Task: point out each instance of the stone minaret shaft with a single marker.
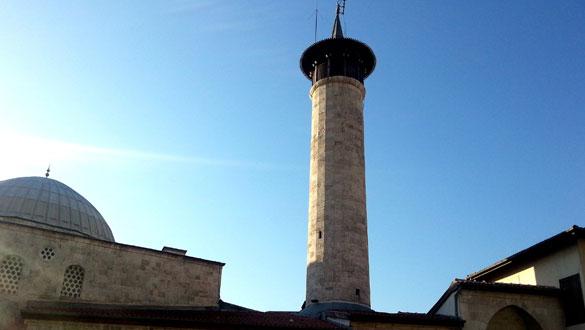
(338, 267)
(338, 239)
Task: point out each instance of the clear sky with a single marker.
(187, 124)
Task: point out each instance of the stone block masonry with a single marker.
(112, 273)
(337, 269)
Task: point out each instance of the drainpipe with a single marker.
(456, 297)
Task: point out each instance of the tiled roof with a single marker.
(169, 316)
(398, 318)
(507, 287)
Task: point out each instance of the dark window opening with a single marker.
(572, 299)
(357, 292)
(320, 234)
(10, 271)
(73, 281)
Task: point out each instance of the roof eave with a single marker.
(546, 247)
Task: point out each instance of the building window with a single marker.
(73, 281)
(572, 299)
(47, 253)
(10, 271)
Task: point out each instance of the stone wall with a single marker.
(337, 237)
(477, 308)
(513, 318)
(395, 326)
(111, 273)
(67, 325)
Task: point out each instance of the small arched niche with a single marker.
(513, 318)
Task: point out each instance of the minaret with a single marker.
(337, 254)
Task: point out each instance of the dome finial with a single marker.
(48, 170)
(337, 31)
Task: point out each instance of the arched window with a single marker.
(513, 318)
(73, 281)
(10, 270)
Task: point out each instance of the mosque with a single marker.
(61, 268)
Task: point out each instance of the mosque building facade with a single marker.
(61, 268)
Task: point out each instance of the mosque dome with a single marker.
(49, 204)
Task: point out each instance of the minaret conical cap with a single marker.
(338, 56)
(337, 31)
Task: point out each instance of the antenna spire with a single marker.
(48, 170)
(316, 17)
(337, 31)
(340, 7)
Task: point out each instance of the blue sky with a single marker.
(187, 124)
